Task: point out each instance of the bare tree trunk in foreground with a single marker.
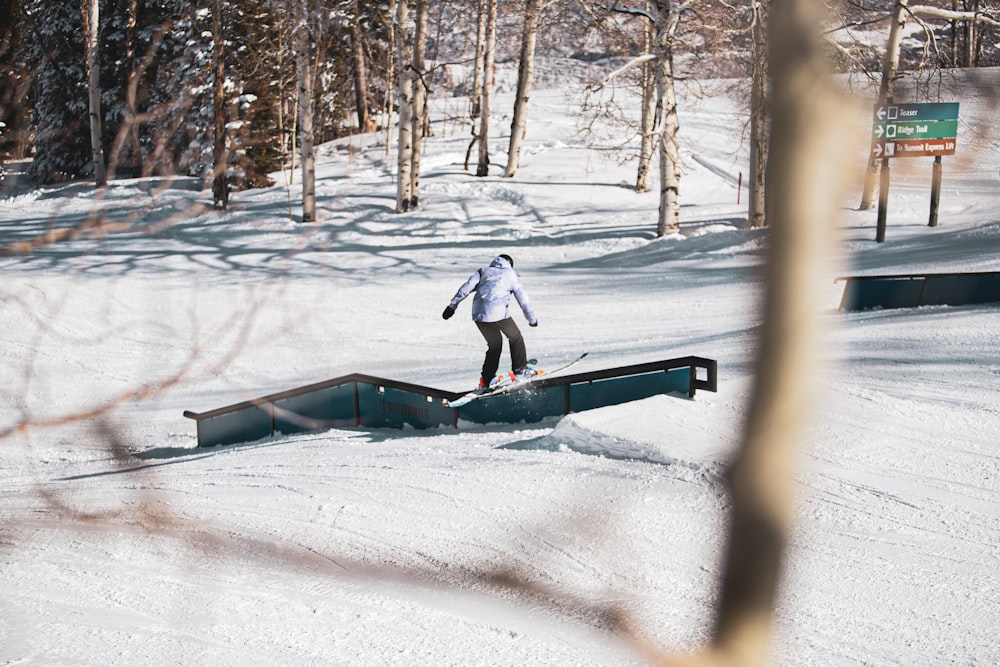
(804, 173)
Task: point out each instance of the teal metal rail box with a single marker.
(366, 401)
(928, 289)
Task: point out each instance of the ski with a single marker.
(509, 385)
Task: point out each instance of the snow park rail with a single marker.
(359, 400)
(928, 289)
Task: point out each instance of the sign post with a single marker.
(883, 201)
(912, 130)
(935, 192)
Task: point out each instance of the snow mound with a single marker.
(591, 434)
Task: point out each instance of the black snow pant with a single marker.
(494, 332)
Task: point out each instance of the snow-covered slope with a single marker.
(124, 544)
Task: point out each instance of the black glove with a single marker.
(533, 324)
(448, 312)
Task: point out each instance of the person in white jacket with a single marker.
(493, 286)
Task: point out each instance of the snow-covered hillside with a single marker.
(122, 543)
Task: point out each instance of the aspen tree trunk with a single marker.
(405, 148)
(132, 86)
(289, 131)
(647, 122)
(285, 108)
(890, 69)
(220, 156)
(953, 31)
(525, 71)
(970, 38)
(303, 42)
(92, 26)
(286, 140)
(390, 76)
(419, 99)
(365, 122)
(291, 6)
(670, 173)
(476, 96)
(489, 60)
(756, 215)
(806, 172)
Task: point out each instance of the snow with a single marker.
(124, 543)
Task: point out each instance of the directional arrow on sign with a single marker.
(879, 131)
(878, 150)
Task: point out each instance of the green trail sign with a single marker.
(914, 130)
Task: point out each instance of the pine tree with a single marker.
(54, 43)
(254, 62)
(13, 89)
(175, 89)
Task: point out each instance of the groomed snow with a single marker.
(122, 543)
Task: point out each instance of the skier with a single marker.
(493, 286)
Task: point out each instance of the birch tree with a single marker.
(478, 66)
(759, 120)
(518, 126)
(391, 76)
(971, 43)
(664, 21)
(404, 183)
(890, 69)
(489, 68)
(303, 43)
(476, 96)
(647, 120)
(359, 69)
(220, 156)
(419, 111)
(662, 123)
(92, 29)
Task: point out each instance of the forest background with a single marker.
(197, 88)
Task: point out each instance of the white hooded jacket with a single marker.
(493, 286)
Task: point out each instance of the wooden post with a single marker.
(883, 201)
(935, 192)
